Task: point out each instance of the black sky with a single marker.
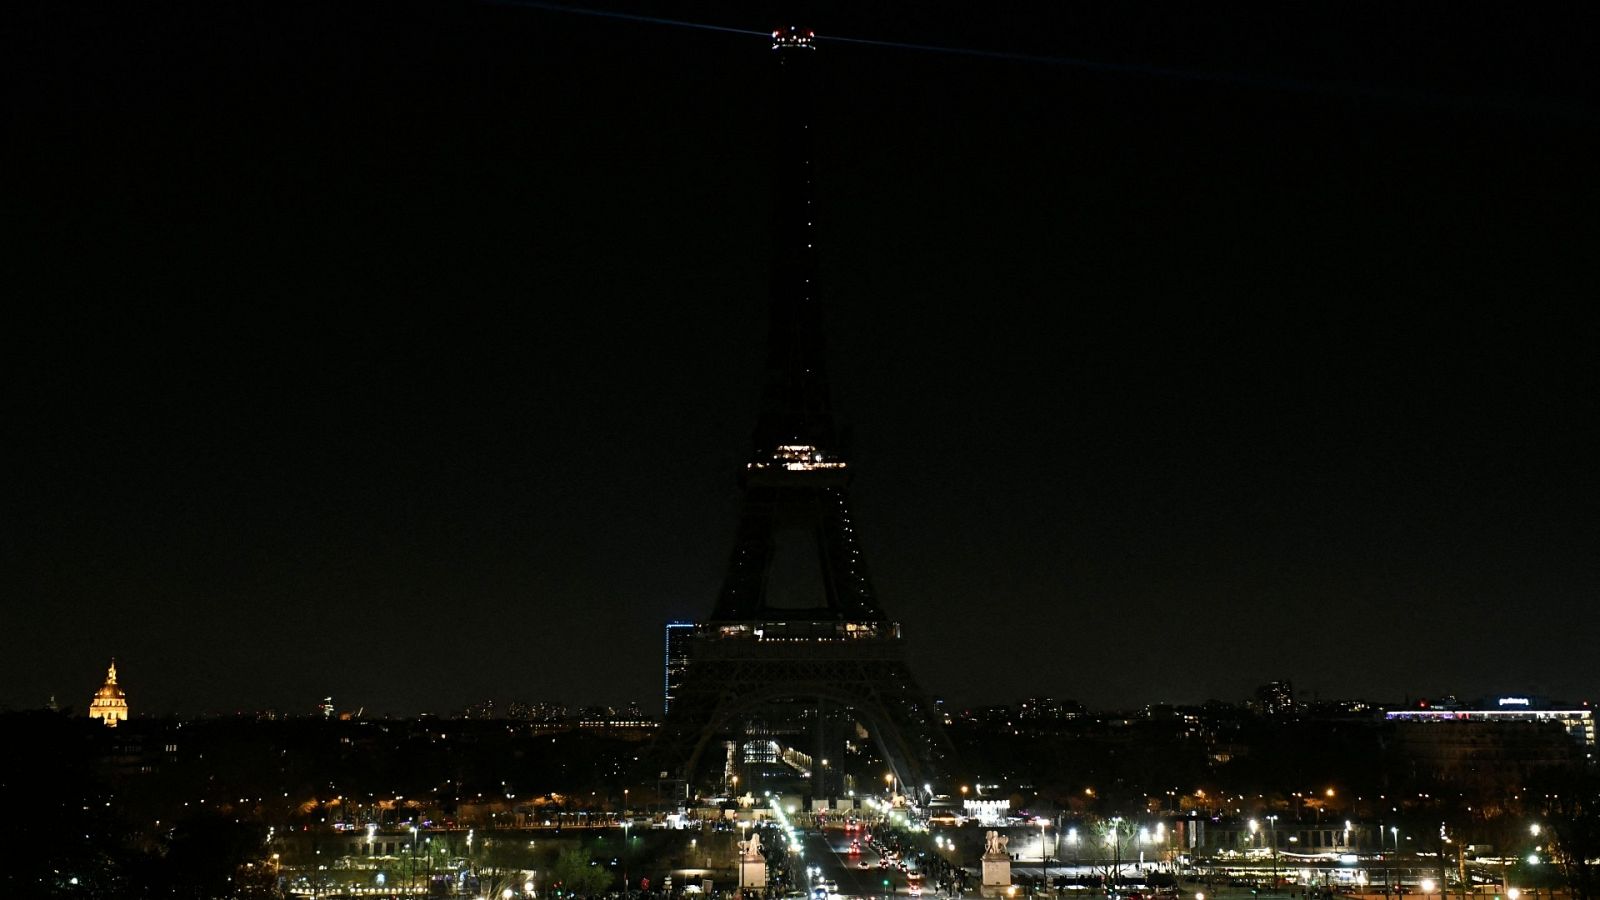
(407, 352)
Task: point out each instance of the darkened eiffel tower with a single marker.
(797, 654)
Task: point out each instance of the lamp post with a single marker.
(1044, 859)
(1272, 833)
(1444, 864)
(1164, 840)
(411, 882)
(1255, 828)
(625, 824)
(745, 833)
(1388, 861)
(1116, 856)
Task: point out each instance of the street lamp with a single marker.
(743, 854)
(1272, 831)
(411, 882)
(1388, 861)
(1255, 828)
(1044, 858)
(1116, 858)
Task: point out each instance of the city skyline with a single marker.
(417, 366)
(1284, 702)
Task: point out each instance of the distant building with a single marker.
(1049, 709)
(110, 704)
(544, 711)
(1577, 722)
(1497, 745)
(679, 634)
(1275, 698)
(614, 723)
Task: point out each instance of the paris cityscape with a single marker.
(525, 450)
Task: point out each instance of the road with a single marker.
(829, 851)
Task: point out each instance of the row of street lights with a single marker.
(1116, 830)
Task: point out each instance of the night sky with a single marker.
(408, 352)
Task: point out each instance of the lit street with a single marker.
(828, 861)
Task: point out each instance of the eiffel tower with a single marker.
(798, 661)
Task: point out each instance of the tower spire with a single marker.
(795, 481)
(795, 410)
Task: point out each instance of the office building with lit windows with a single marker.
(679, 634)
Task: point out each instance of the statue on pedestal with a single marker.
(996, 866)
(752, 868)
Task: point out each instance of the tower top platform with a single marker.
(791, 37)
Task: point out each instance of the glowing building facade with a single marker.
(110, 704)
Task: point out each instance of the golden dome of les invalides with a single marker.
(110, 704)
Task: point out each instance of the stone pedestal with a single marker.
(752, 875)
(996, 876)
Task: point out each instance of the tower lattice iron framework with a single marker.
(815, 669)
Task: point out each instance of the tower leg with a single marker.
(820, 788)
